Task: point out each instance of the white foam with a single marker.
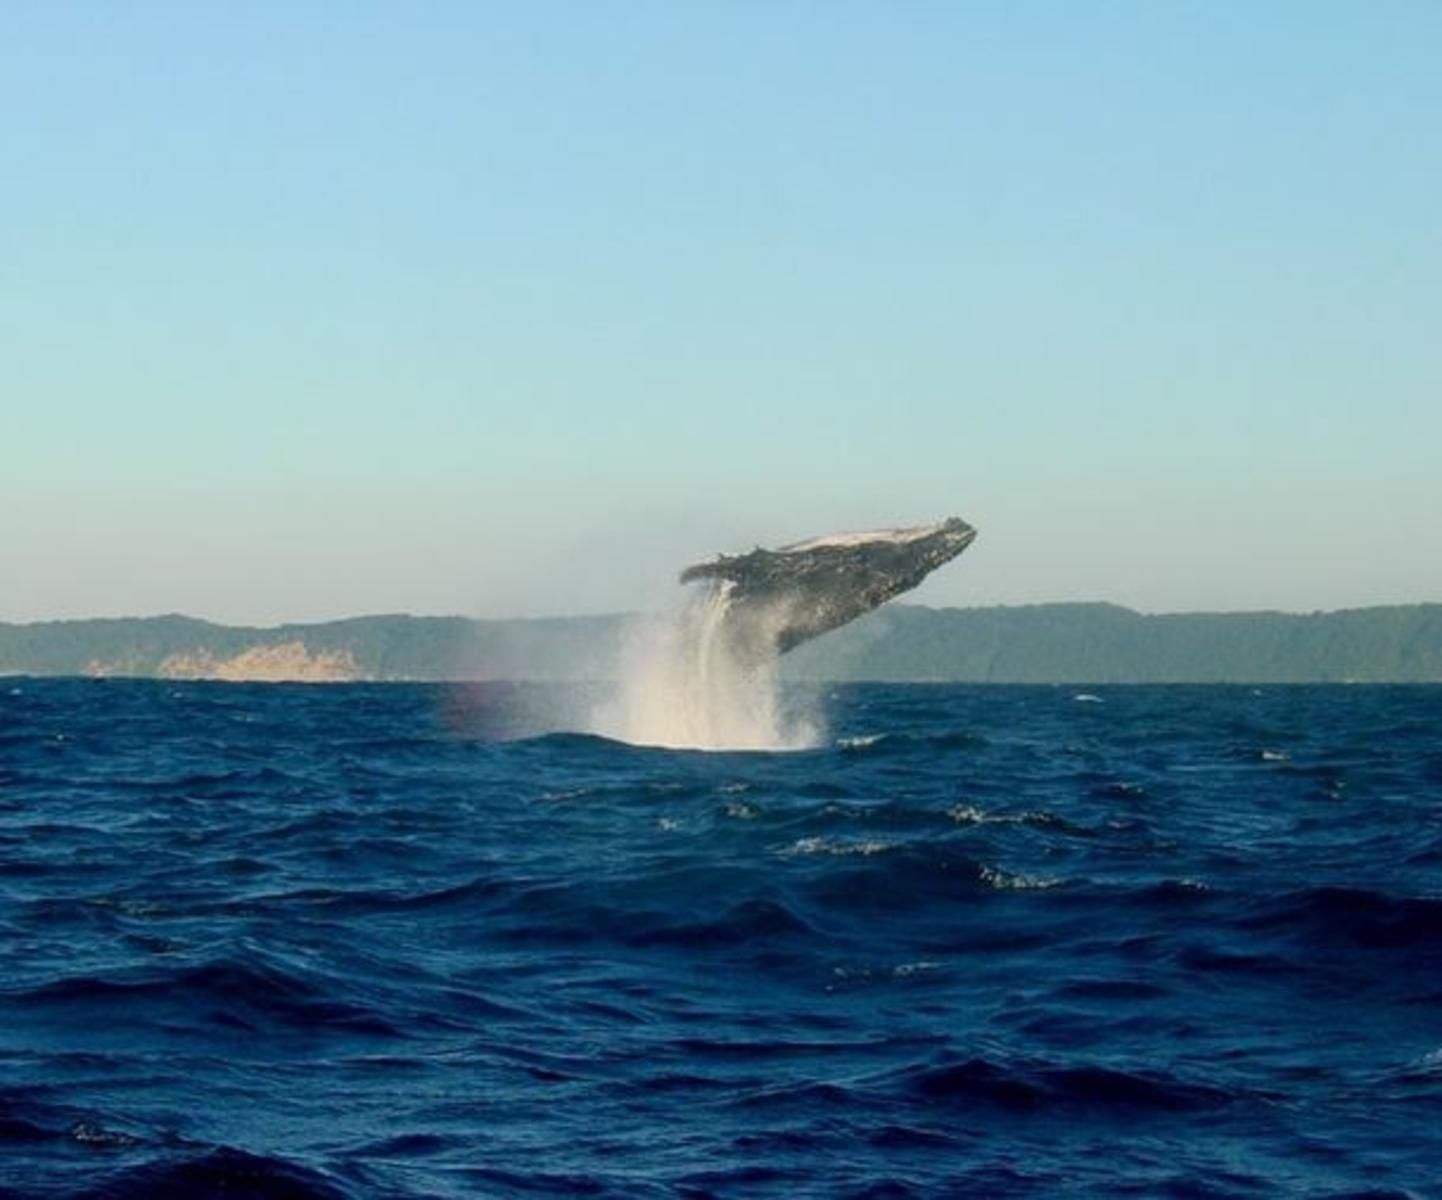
(865, 847)
(1006, 881)
(684, 686)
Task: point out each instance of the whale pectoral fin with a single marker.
(706, 570)
(733, 567)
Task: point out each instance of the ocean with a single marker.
(391, 941)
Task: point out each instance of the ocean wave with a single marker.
(971, 814)
(1031, 1087)
(481, 891)
(222, 1172)
(748, 922)
(1362, 918)
(906, 876)
(890, 743)
(220, 992)
(274, 941)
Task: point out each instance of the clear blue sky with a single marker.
(312, 309)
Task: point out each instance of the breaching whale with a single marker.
(776, 599)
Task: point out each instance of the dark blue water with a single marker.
(338, 941)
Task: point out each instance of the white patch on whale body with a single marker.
(898, 537)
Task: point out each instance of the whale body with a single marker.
(776, 599)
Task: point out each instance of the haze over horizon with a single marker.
(500, 311)
(908, 600)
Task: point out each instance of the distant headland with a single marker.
(1042, 643)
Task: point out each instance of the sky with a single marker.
(310, 310)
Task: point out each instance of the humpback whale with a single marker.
(773, 600)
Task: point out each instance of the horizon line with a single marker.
(634, 613)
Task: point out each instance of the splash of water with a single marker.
(685, 683)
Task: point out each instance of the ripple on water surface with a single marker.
(391, 941)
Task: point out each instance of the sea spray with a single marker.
(686, 683)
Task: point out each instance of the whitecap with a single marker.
(824, 845)
(1005, 881)
(906, 970)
